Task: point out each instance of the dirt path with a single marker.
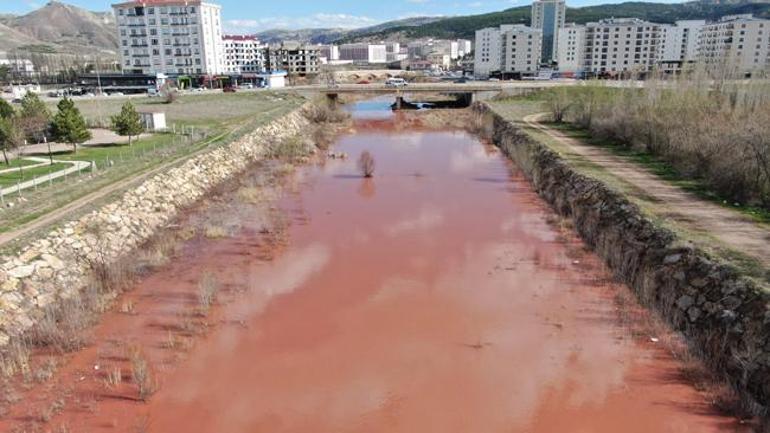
(734, 230)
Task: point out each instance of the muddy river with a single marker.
(441, 295)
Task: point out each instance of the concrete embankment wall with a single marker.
(723, 316)
(59, 265)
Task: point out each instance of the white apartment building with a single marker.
(364, 53)
(170, 36)
(548, 16)
(243, 54)
(394, 52)
(738, 43)
(488, 49)
(622, 45)
(465, 47)
(679, 44)
(570, 48)
(328, 53)
(680, 41)
(18, 66)
(507, 50)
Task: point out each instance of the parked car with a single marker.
(228, 89)
(153, 92)
(395, 82)
(247, 86)
(364, 82)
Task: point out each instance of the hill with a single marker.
(60, 28)
(465, 26)
(325, 36)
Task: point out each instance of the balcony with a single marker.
(138, 45)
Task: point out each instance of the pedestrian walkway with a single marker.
(75, 167)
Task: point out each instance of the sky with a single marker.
(243, 16)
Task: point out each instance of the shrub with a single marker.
(169, 94)
(207, 291)
(366, 164)
(141, 374)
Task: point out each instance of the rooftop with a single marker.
(145, 3)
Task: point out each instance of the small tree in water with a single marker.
(366, 164)
(69, 125)
(128, 122)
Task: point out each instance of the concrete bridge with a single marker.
(470, 92)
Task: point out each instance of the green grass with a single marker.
(116, 152)
(12, 178)
(221, 117)
(16, 163)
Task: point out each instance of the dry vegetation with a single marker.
(325, 118)
(714, 131)
(366, 164)
(142, 374)
(207, 291)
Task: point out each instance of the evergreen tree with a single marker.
(127, 122)
(34, 116)
(69, 125)
(10, 136)
(6, 109)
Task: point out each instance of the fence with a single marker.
(183, 139)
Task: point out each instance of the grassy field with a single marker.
(16, 163)
(11, 178)
(217, 118)
(202, 110)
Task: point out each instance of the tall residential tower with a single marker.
(548, 17)
(174, 37)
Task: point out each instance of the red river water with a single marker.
(437, 296)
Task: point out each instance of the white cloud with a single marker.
(428, 218)
(319, 20)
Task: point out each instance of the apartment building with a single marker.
(737, 43)
(328, 53)
(488, 49)
(173, 37)
(243, 54)
(509, 50)
(570, 48)
(294, 58)
(18, 67)
(363, 53)
(548, 16)
(465, 47)
(624, 45)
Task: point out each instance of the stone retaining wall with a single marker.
(724, 316)
(59, 265)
